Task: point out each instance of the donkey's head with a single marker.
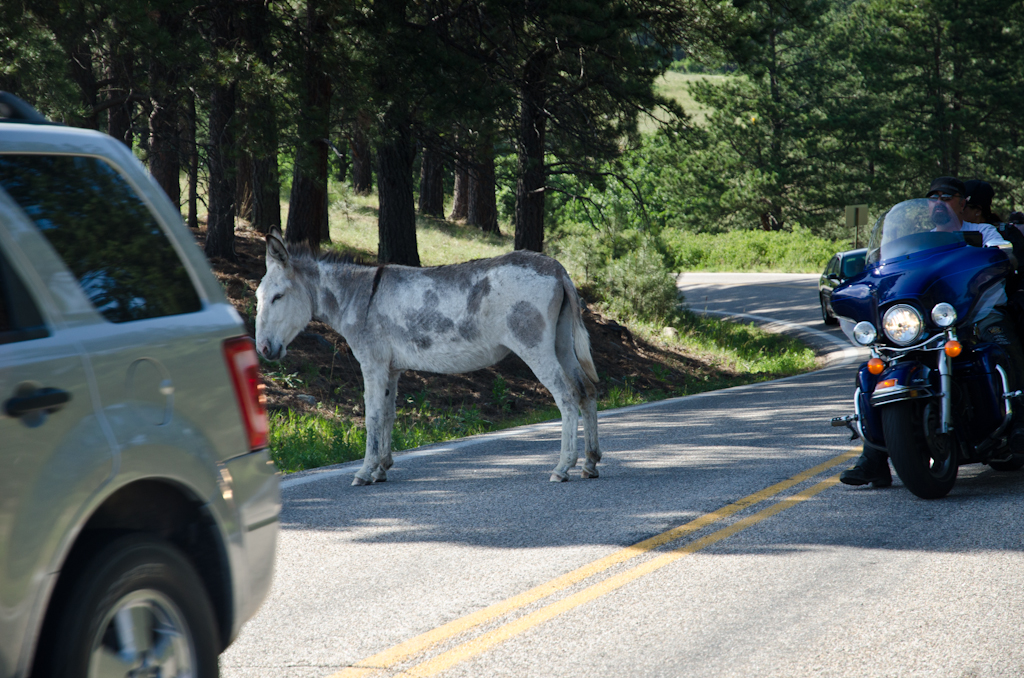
(283, 305)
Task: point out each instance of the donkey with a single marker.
(447, 319)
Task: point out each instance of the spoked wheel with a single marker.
(826, 317)
(929, 471)
(138, 609)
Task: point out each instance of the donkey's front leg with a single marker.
(376, 384)
(390, 394)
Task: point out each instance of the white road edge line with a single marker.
(849, 354)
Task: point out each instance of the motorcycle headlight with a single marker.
(902, 324)
(864, 333)
(943, 314)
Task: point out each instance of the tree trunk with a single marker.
(307, 214)
(431, 183)
(164, 144)
(362, 160)
(220, 225)
(80, 64)
(243, 186)
(396, 221)
(266, 194)
(193, 161)
(119, 116)
(266, 185)
(307, 209)
(483, 202)
(460, 196)
(531, 182)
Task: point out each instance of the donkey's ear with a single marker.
(276, 249)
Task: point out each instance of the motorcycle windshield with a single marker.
(915, 226)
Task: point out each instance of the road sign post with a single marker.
(856, 216)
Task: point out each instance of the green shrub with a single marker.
(622, 269)
(639, 285)
(796, 251)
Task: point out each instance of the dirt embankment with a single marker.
(321, 374)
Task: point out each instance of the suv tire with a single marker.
(138, 603)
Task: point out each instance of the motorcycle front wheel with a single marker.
(928, 473)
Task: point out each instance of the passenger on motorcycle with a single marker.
(951, 197)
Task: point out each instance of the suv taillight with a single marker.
(243, 365)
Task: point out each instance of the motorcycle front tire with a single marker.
(925, 474)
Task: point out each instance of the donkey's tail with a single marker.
(580, 336)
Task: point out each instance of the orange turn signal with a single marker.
(875, 366)
(953, 348)
(888, 383)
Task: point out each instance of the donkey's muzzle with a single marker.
(271, 352)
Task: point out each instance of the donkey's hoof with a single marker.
(359, 481)
(558, 478)
(382, 479)
(585, 473)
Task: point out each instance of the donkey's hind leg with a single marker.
(584, 388)
(550, 373)
(590, 446)
(390, 395)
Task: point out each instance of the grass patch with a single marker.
(676, 86)
(353, 220)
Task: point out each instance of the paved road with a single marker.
(716, 543)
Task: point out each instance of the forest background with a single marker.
(546, 118)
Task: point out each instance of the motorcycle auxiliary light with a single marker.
(864, 333)
(875, 366)
(953, 348)
(902, 324)
(943, 314)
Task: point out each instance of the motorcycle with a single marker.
(934, 394)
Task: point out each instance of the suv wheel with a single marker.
(138, 608)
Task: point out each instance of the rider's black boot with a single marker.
(872, 466)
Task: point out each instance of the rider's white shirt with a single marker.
(988, 232)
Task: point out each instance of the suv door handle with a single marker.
(48, 399)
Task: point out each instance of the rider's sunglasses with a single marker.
(944, 197)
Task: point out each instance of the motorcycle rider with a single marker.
(951, 197)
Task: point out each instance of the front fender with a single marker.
(905, 380)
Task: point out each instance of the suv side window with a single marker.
(19, 317)
(104, 232)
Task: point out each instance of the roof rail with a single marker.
(13, 109)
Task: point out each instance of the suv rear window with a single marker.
(105, 234)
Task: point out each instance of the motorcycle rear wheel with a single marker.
(924, 472)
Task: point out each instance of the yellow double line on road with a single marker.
(402, 652)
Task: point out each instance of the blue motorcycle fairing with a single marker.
(957, 274)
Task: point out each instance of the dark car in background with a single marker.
(139, 506)
(841, 267)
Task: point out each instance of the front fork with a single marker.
(946, 396)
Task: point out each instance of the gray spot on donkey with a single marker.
(445, 319)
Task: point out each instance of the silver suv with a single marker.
(138, 502)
